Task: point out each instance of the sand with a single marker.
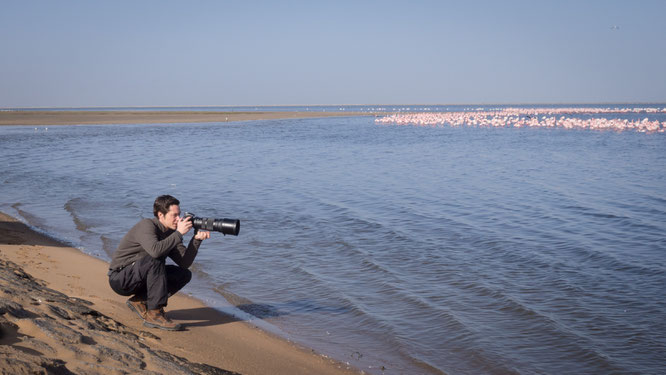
(151, 117)
(210, 337)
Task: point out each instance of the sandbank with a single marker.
(105, 335)
(93, 117)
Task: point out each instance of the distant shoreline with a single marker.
(151, 117)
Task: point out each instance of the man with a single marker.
(138, 267)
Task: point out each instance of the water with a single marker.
(398, 249)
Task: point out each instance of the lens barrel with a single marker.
(225, 226)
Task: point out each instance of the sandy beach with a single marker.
(66, 318)
(150, 117)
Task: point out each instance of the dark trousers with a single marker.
(151, 280)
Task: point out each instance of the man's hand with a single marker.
(202, 235)
(184, 225)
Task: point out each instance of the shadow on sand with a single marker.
(208, 316)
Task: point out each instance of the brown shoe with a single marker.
(138, 306)
(157, 319)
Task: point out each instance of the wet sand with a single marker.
(151, 117)
(67, 316)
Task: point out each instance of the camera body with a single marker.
(224, 226)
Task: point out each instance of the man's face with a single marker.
(170, 220)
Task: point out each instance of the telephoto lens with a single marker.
(224, 226)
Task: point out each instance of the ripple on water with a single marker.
(419, 250)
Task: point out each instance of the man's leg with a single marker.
(131, 280)
(156, 282)
(162, 282)
(177, 278)
(149, 280)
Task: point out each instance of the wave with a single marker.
(73, 206)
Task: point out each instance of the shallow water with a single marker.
(398, 249)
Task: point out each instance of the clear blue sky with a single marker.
(143, 53)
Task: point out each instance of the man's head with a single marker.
(167, 210)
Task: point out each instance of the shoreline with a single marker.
(109, 117)
(210, 337)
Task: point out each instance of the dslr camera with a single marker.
(224, 226)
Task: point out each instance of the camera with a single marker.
(225, 226)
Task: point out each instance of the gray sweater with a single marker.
(150, 237)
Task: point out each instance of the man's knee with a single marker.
(177, 278)
(117, 286)
(182, 274)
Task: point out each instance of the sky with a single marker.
(216, 53)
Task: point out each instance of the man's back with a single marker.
(147, 237)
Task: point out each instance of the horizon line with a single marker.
(331, 105)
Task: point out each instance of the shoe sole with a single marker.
(152, 325)
(138, 313)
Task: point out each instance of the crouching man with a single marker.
(138, 267)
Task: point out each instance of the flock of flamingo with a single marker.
(535, 117)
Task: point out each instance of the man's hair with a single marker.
(162, 204)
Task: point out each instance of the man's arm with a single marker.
(184, 257)
(146, 236)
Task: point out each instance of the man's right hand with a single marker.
(184, 225)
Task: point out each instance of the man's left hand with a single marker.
(202, 235)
